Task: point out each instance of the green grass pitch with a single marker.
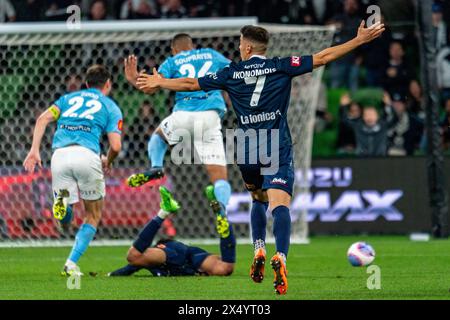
(409, 270)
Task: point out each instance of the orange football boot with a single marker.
(257, 269)
(280, 274)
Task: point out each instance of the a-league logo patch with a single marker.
(295, 61)
(120, 125)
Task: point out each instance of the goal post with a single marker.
(39, 62)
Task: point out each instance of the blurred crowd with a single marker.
(394, 126)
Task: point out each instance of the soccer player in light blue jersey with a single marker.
(193, 111)
(81, 119)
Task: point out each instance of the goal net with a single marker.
(39, 63)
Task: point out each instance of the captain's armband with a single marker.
(54, 110)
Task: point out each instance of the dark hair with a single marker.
(97, 75)
(181, 37)
(256, 34)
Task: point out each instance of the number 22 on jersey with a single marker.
(77, 103)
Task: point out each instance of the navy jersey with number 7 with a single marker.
(260, 90)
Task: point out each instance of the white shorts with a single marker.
(77, 168)
(203, 127)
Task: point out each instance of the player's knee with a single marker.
(133, 256)
(260, 195)
(224, 269)
(228, 269)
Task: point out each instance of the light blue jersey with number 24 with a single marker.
(196, 63)
(84, 117)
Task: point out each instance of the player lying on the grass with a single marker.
(193, 111)
(173, 258)
(82, 118)
(259, 89)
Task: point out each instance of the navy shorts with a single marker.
(283, 179)
(179, 254)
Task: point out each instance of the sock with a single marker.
(282, 229)
(163, 214)
(222, 191)
(157, 148)
(147, 234)
(84, 236)
(69, 215)
(228, 247)
(128, 270)
(258, 220)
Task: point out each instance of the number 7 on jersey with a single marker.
(260, 82)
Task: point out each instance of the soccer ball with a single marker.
(360, 254)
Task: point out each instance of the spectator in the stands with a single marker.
(29, 10)
(371, 132)
(138, 9)
(443, 70)
(445, 126)
(404, 137)
(200, 8)
(348, 111)
(7, 11)
(317, 11)
(172, 9)
(396, 76)
(345, 71)
(99, 11)
(73, 82)
(440, 26)
(415, 100)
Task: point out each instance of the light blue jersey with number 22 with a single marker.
(84, 117)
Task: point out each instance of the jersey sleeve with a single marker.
(214, 81)
(115, 119)
(297, 65)
(165, 69)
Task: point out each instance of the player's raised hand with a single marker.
(369, 34)
(131, 70)
(33, 158)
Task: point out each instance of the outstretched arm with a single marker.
(364, 35)
(132, 73)
(34, 158)
(155, 81)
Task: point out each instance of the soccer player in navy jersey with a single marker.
(259, 89)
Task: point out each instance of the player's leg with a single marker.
(258, 222)
(213, 265)
(140, 253)
(279, 190)
(85, 234)
(151, 257)
(251, 174)
(65, 190)
(166, 134)
(157, 148)
(210, 149)
(86, 169)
